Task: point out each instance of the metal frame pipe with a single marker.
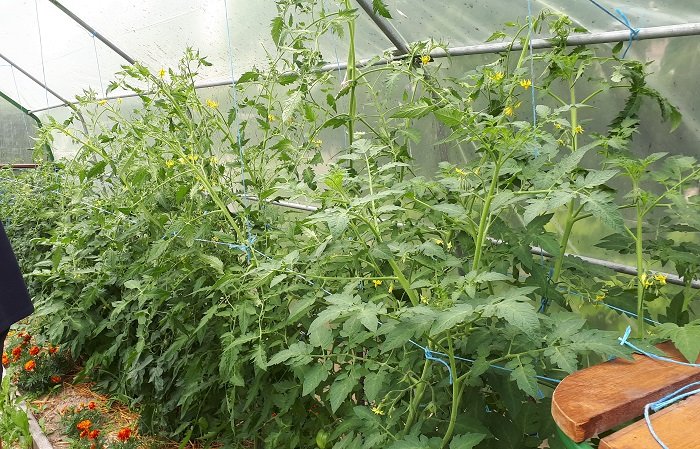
(385, 27)
(688, 29)
(93, 31)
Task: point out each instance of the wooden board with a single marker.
(675, 426)
(603, 396)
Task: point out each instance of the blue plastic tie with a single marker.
(634, 32)
(429, 356)
(664, 402)
(625, 342)
(434, 355)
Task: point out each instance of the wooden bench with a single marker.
(605, 396)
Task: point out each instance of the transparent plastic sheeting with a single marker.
(467, 22)
(41, 39)
(154, 32)
(16, 132)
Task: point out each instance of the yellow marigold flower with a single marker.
(498, 76)
(377, 282)
(425, 59)
(212, 104)
(170, 163)
(509, 111)
(377, 410)
(600, 296)
(526, 84)
(161, 73)
(660, 278)
(578, 129)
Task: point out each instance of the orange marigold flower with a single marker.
(124, 434)
(84, 425)
(27, 337)
(55, 379)
(30, 366)
(16, 352)
(91, 405)
(5, 359)
(94, 434)
(53, 349)
(34, 350)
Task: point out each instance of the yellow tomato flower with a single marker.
(498, 76)
(161, 73)
(557, 125)
(449, 245)
(193, 157)
(425, 59)
(660, 278)
(438, 241)
(271, 118)
(391, 287)
(213, 160)
(646, 280)
(509, 111)
(181, 160)
(377, 282)
(424, 298)
(460, 172)
(578, 129)
(526, 84)
(170, 163)
(102, 102)
(317, 142)
(600, 296)
(212, 104)
(377, 410)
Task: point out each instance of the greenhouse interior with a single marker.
(350, 224)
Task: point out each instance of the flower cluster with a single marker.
(35, 367)
(87, 428)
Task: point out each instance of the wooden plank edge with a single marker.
(39, 439)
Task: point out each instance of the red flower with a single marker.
(30, 365)
(26, 338)
(91, 405)
(55, 379)
(5, 359)
(124, 434)
(84, 425)
(94, 434)
(34, 350)
(16, 353)
(53, 349)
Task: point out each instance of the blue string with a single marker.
(632, 314)
(634, 32)
(532, 75)
(439, 357)
(624, 342)
(664, 402)
(237, 125)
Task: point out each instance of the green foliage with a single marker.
(14, 424)
(227, 318)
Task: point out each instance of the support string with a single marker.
(622, 18)
(667, 400)
(41, 49)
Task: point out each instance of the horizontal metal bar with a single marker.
(618, 267)
(688, 29)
